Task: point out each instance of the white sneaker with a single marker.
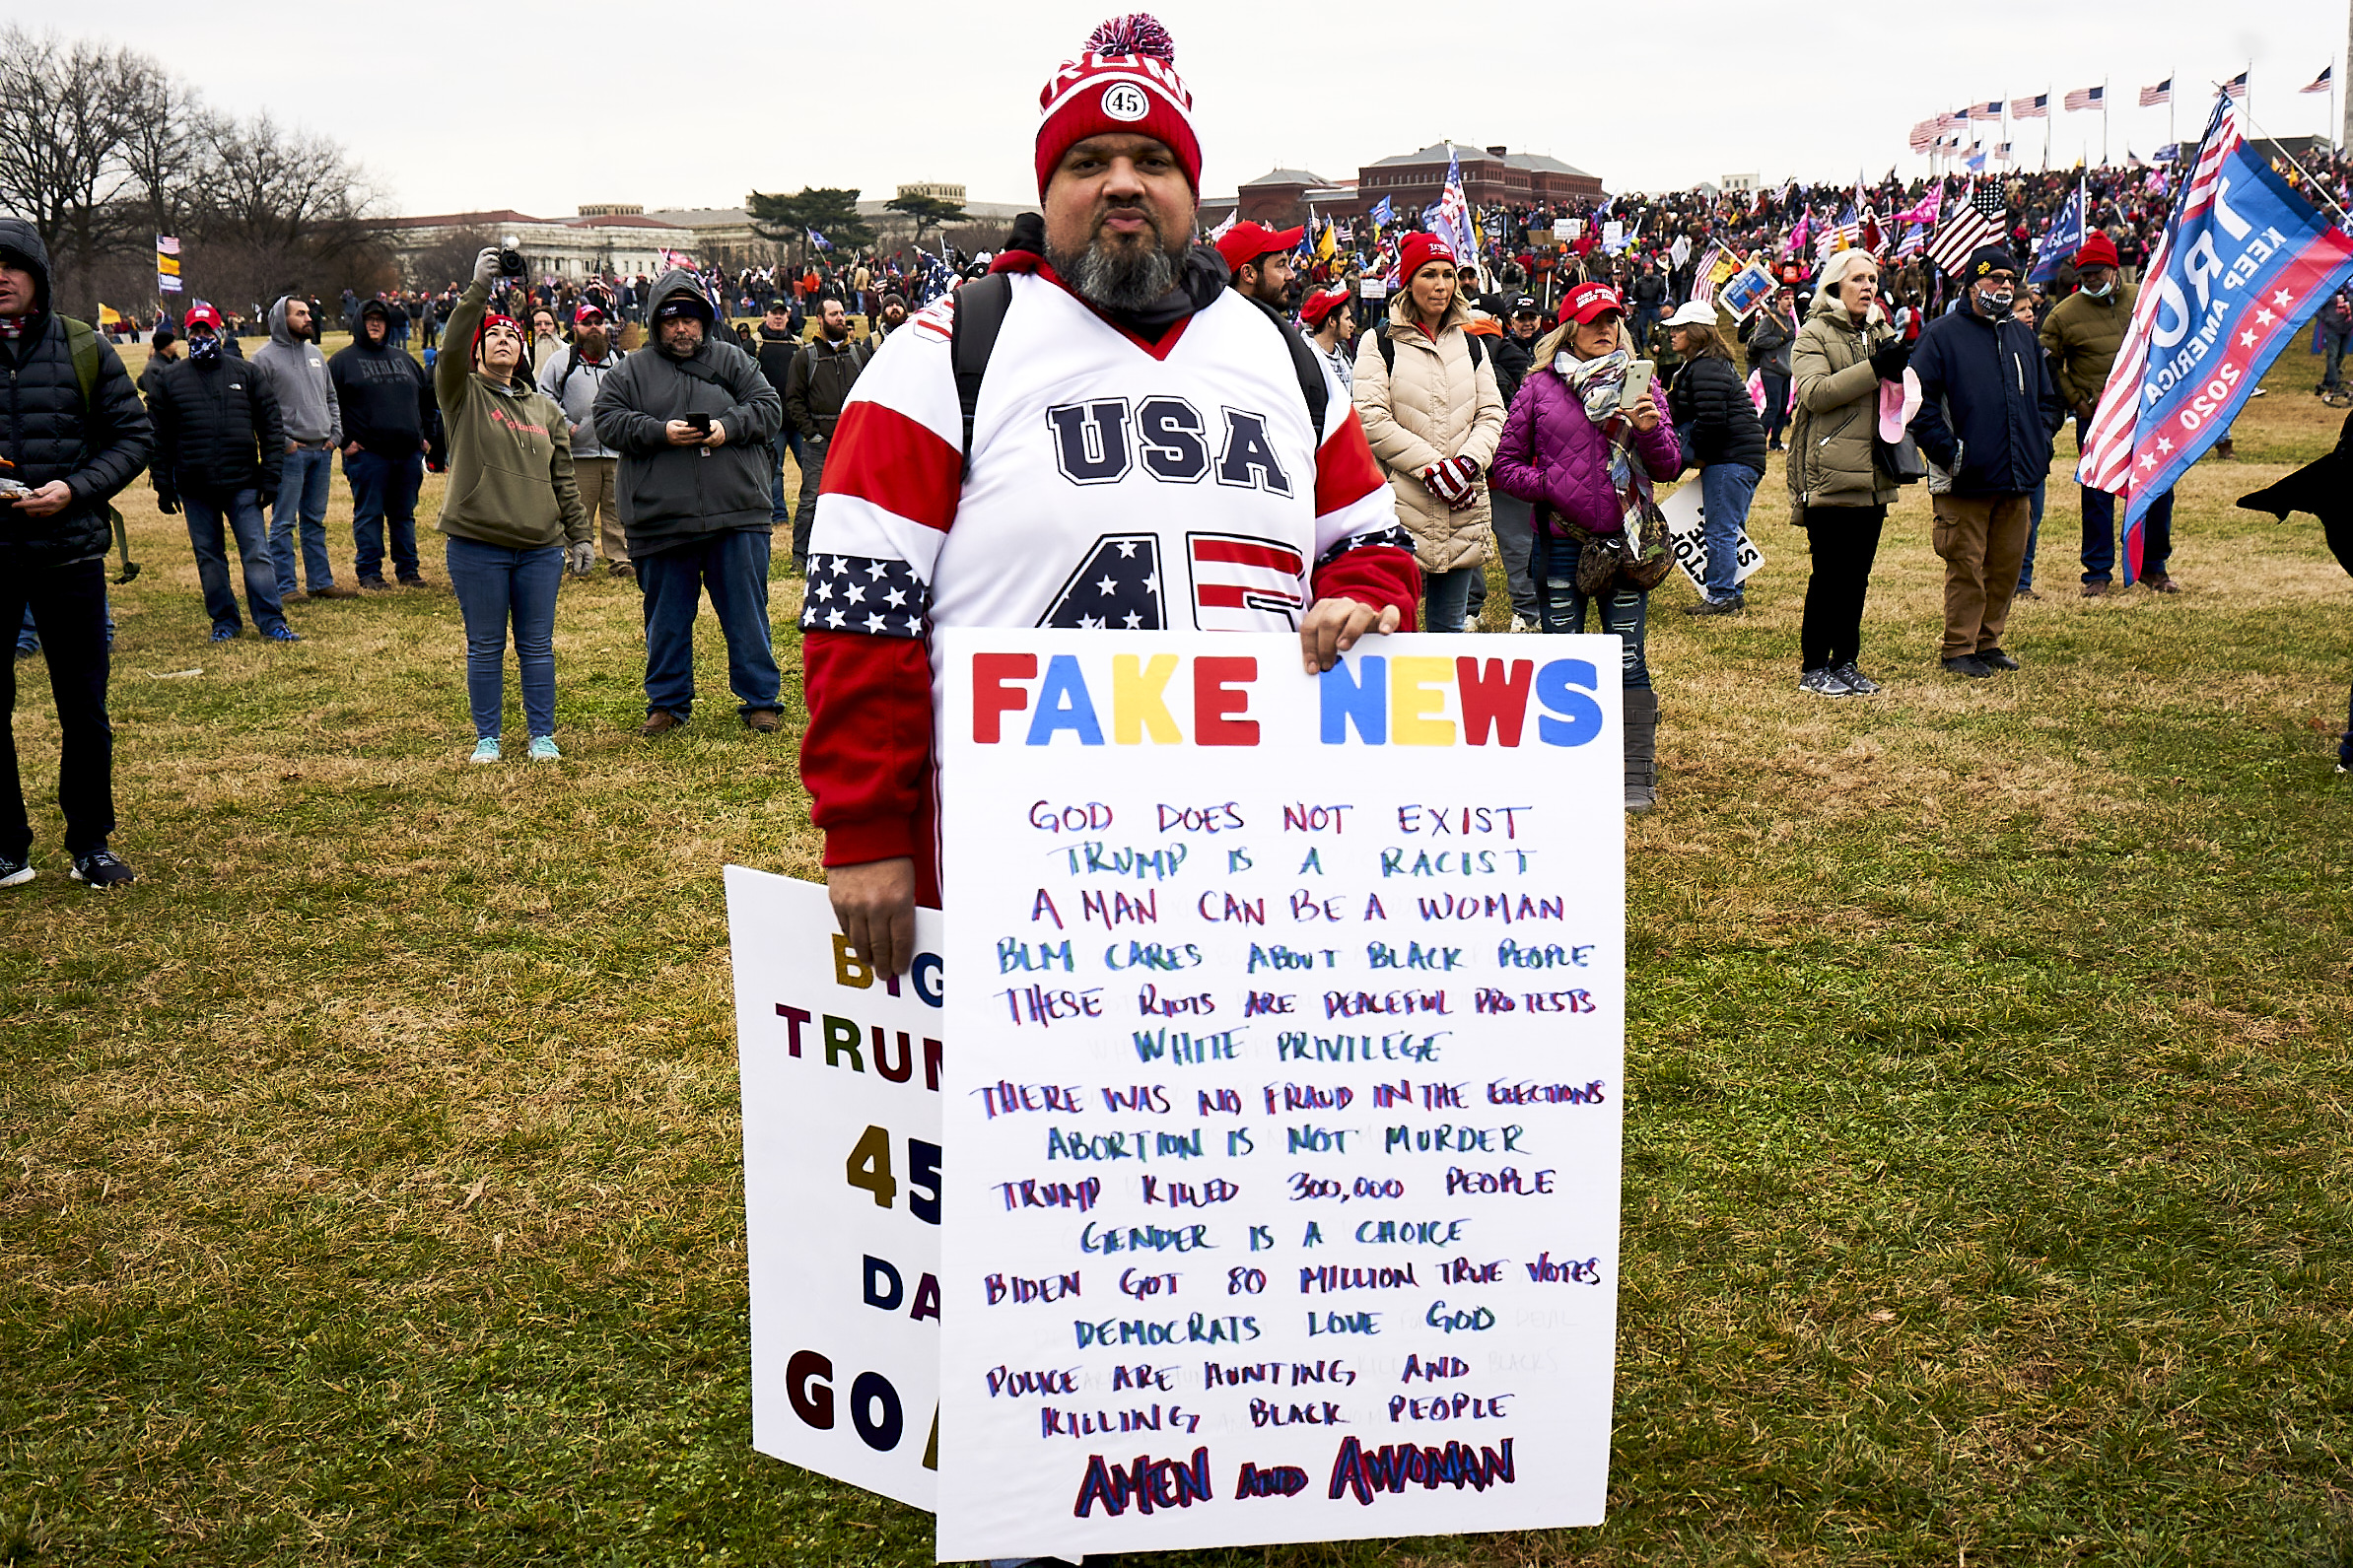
(1520, 623)
(486, 749)
(543, 749)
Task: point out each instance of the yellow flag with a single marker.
(109, 316)
(1326, 247)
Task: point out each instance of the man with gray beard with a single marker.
(1046, 447)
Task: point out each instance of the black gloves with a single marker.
(1888, 364)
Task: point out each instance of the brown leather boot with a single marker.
(335, 591)
(660, 721)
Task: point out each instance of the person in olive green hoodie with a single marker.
(512, 513)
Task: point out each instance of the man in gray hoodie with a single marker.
(298, 376)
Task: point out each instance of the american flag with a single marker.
(1976, 222)
(1990, 109)
(2320, 83)
(2031, 108)
(2108, 446)
(1450, 219)
(1948, 120)
(2236, 88)
(1924, 136)
(2162, 92)
(2084, 98)
(2001, 153)
(1703, 282)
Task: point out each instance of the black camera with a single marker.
(509, 263)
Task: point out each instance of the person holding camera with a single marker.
(695, 423)
(511, 512)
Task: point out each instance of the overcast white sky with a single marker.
(456, 105)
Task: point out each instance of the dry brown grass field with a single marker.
(368, 1172)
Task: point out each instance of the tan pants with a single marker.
(596, 495)
(1982, 540)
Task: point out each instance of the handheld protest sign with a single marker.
(1285, 1103)
(842, 1158)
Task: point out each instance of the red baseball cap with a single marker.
(588, 309)
(1322, 304)
(1247, 242)
(1588, 301)
(200, 315)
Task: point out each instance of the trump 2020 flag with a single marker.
(2243, 263)
(2061, 240)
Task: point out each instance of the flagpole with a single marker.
(2171, 78)
(2103, 86)
(2050, 95)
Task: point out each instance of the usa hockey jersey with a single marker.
(1115, 483)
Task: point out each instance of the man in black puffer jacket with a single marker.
(219, 448)
(391, 428)
(72, 452)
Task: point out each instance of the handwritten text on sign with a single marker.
(1285, 1101)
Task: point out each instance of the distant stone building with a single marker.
(1491, 175)
(614, 237)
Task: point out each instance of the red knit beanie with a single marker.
(1420, 250)
(1124, 81)
(2097, 251)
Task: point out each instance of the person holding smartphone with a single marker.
(511, 513)
(1586, 441)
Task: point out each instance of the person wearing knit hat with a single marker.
(2082, 336)
(1988, 413)
(1060, 482)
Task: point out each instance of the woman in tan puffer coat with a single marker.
(1433, 414)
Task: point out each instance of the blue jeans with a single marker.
(734, 568)
(497, 586)
(1560, 606)
(243, 513)
(1725, 491)
(2332, 361)
(2033, 536)
(383, 495)
(1445, 596)
(302, 494)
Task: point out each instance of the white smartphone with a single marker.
(1638, 381)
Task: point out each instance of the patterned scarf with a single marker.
(12, 327)
(1600, 384)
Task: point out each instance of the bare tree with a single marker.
(64, 124)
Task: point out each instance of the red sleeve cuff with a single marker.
(872, 838)
(1378, 576)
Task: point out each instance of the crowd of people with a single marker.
(1395, 416)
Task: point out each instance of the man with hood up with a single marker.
(694, 421)
(391, 423)
(298, 379)
(69, 450)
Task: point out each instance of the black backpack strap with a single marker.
(981, 306)
(1389, 351)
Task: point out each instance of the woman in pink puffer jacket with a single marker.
(1554, 454)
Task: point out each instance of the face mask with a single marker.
(207, 347)
(1997, 303)
(2103, 291)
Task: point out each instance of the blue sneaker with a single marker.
(486, 749)
(224, 634)
(543, 749)
(283, 633)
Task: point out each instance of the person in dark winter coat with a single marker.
(2325, 490)
(1718, 424)
(1988, 413)
(70, 452)
(1769, 334)
(219, 448)
(391, 424)
(819, 385)
(695, 423)
(780, 345)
